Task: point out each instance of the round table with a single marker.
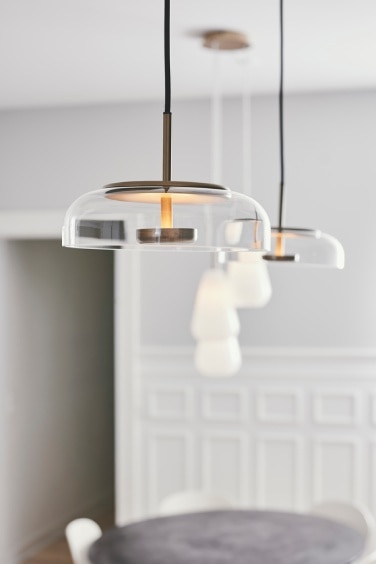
(229, 537)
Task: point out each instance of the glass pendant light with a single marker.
(165, 214)
(215, 321)
(295, 244)
(248, 273)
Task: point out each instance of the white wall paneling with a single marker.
(371, 482)
(279, 405)
(372, 406)
(127, 388)
(280, 475)
(31, 224)
(170, 462)
(225, 462)
(337, 406)
(170, 402)
(339, 468)
(290, 430)
(225, 404)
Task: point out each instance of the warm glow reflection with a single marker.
(149, 197)
(256, 240)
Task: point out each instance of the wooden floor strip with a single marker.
(58, 553)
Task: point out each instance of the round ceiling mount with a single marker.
(226, 40)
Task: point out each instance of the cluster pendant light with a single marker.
(215, 322)
(166, 214)
(247, 272)
(295, 244)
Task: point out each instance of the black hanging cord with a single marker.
(167, 61)
(281, 135)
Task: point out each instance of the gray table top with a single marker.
(229, 537)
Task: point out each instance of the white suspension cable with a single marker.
(246, 136)
(217, 121)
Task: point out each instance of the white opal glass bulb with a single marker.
(218, 358)
(214, 316)
(249, 281)
(234, 230)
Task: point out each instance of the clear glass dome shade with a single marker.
(158, 215)
(306, 247)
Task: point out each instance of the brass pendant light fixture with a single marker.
(166, 214)
(295, 244)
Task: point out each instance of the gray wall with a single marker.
(49, 157)
(58, 386)
(330, 173)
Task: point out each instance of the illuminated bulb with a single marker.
(166, 211)
(249, 281)
(218, 357)
(214, 316)
(279, 245)
(234, 230)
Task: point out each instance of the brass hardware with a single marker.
(282, 258)
(166, 147)
(225, 40)
(166, 235)
(140, 185)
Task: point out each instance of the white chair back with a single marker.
(190, 502)
(369, 559)
(80, 534)
(358, 517)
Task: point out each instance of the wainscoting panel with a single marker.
(170, 462)
(294, 428)
(337, 469)
(279, 405)
(279, 471)
(337, 406)
(225, 464)
(170, 402)
(229, 405)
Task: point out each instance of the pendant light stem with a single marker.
(166, 147)
(281, 128)
(246, 135)
(216, 120)
(167, 57)
(167, 111)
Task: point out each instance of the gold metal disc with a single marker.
(225, 40)
(165, 235)
(282, 258)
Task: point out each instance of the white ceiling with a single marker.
(60, 52)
